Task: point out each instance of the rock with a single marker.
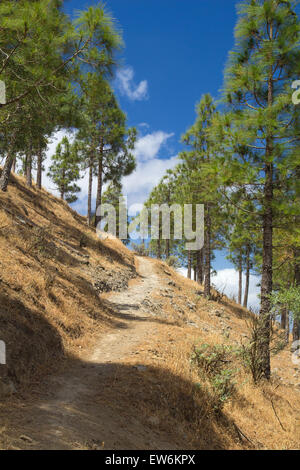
(169, 296)
(94, 445)
(199, 292)
(172, 283)
(192, 324)
(140, 368)
(26, 439)
(7, 388)
(108, 281)
(294, 347)
(177, 308)
(191, 305)
(154, 420)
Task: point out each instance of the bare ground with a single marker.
(75, 408)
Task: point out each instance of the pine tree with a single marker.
(113, 195)
(65, 170)
(201, 183)
(40, 49)
(108, 143)
(257, 89)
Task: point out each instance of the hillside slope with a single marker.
(92, 368)
(52, 269)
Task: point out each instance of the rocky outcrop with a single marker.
(105, 280)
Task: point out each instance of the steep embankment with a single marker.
(128, 380)
(52, 270)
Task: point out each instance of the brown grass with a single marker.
(49, 307)
(51, 311)
(264, 416)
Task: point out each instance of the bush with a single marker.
(250, 352)
(83, 242)
(141, 249)
(213, 361)
(173, 262)
(224, 385)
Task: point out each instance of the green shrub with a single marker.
(213, 361)
(141, 249)
(173, 262)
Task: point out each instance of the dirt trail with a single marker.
(76, 412)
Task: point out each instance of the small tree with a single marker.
(65, 170)
(113, 195)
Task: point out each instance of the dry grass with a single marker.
(50, 310)
(49, 307)
(264, 416)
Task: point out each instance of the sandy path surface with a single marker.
(77, 410)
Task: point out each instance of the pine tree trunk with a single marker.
(9, 161)
(14, 164)
(200, 266)
(296, 328)
(246, 293)
(207, 266)
(267, 263)
(287, 328)
(167, 248)
(4, 180)
(284, 322)
(240, 283)
(99, 192)
(189, 273)
(283, 317)
(159, 246)
(89, 214)
(62, 187)
(266, 281)
(39, 168)
(29, 168)
(100, 183)
(296, 325)
(24, 165)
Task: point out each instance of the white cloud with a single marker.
(144, 125)
(150, 169)
(148, 146)
(139, 184)
(226, 281)
(128, 88)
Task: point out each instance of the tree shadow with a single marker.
(117, 406)
(33, 345)
(116, 310)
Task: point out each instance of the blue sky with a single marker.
(180, 48)
(174, 52)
